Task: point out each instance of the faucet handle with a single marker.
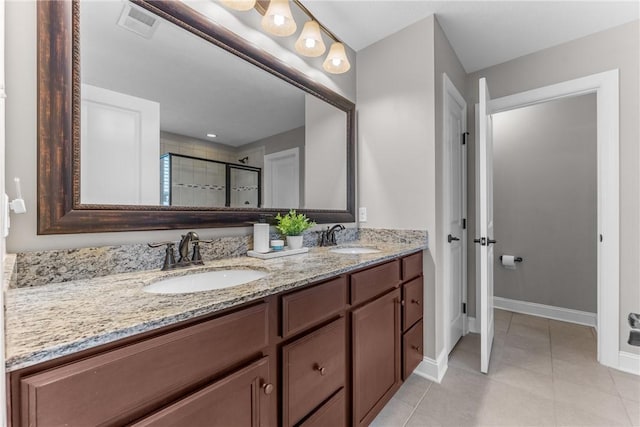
(196, 258)
(169, 255)
(157, 245)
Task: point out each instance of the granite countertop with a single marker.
(46, 322)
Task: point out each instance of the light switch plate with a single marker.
(362, 214)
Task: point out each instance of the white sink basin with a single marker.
(207, 281)
(354, 251)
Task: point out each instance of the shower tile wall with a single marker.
(202, 184)
(197, 183)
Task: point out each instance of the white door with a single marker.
(120, 148)
(455, 114)
(282, 179)
(485, 213)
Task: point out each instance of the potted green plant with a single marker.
(292, 225)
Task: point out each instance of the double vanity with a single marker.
(323, 338)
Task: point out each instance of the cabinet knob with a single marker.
(415, 301)
(321, 369)
(416, 348)
(402, 303)
(267, 388)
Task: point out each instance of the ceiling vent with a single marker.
(138, 20)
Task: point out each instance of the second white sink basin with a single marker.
(354, 251)
(206, 281)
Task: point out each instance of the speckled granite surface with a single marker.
(46, 322)
(46, 267)
(9, 271)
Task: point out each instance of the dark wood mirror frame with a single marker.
(59, 207)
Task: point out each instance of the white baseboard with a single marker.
(473, 325)
(629, 362)
(433, 370)
(548, 311)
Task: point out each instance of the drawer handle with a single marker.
(267, 388)
(415, 301)
(416, 348)
(321, 369)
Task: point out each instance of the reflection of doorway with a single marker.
(282, 179)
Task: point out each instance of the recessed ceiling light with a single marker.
(211, 135)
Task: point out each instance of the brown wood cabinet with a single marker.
(241, 399)
(330, 354)
(376, 355)
(313, 369)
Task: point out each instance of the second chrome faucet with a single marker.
(328, 236)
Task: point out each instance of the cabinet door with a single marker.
(376, 355)
(240, 399)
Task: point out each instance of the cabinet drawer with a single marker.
(412, 266)
(240, 399)
(331, 414)
(374, 281)
(412, 349)
(123, 384)
(308, 307)
(313, 368)
(413, 303)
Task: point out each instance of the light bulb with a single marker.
(336, 61)
(310, 41)
(278, 19)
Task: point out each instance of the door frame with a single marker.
(448, 88)
(605, 86)
(268, 172)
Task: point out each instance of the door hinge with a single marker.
(464, 223)
(601, 238)
(465, 135)
(464, 308)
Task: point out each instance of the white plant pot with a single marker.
(294, 242)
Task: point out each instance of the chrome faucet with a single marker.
(189, 239)
(328, 236)
(183, 247)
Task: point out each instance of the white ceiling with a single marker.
(482, 33)
(200, 88)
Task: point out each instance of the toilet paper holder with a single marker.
(516, 259)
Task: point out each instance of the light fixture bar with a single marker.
(322, 27)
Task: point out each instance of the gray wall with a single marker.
(21, 142)
(545, 202)
(396, 144)
(618, 48)
(400, 144)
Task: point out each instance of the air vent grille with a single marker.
(138, 21)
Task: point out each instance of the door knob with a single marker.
(267, 388)
(450, 238)
(321, 369)
(490, 241)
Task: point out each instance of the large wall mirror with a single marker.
(151, 116)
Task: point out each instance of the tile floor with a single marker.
(542, 373)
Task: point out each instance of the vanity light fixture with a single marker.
(211, 135)
(336, 61)
(279, 21)
(310, 42)
(241, 5)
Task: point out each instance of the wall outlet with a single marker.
(362, 214)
